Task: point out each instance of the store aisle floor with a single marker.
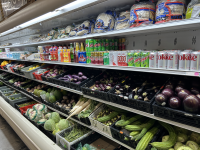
(9, 140)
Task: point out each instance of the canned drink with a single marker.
(122, 58)
(153, 59)
(184, 60)
(95, 41)
(99, 41)
(195, 61)
(107, 44)
(162, 60)
(91, 45)
(188, 50)
(130, 58)
(137, 59)
(172, 62)
(145, 59)
(92, 58)
(113, 58)
(88, 54)
(106, 58)
(103, 43)
(112, 44)
(87, 45)
(100, 58)
(120, 44)
(116, 44)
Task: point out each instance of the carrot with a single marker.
(79, 109)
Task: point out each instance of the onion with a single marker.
(191, 103)
(168, 93)
(161, 99)
(178, 88)
(183, 93)
(175, 102)
(195, 90)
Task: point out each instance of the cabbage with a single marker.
(63, 124)
(50, 125)
(56, 125)
(56, 131)
(55, 116)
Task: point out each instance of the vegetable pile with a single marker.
(75, 78)
(180, 94)
(108, 81)
(11, 93)
(57, 70)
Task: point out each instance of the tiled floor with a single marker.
(9, 140)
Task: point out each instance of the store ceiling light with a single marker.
(69, 7)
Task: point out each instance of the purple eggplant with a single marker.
(79, 79)
(80, 74)
(78, 82)
(102, 87)
(75, 80)
(75, 76)
(68, 76)
(84, 77)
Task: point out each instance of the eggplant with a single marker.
(84, 77)
(75, 76)
(102, 87)
(96, 85)
(79, 79)
(80, 74)
(78, 82)
(68, 76)
(75, 80)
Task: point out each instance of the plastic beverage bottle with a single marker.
(82, 47)
(77, 51)
(59, 51)
(72, 52)
(61, 55)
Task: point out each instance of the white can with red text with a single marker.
(195, 61)
(153, 59)
(172, 62)
(162, 60)
(184, 60)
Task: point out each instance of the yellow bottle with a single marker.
(68, 55)
(82, 47)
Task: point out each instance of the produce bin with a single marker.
(100, 126)
(63, 143)
(5, 97)
(13, 102)
(23, 109)
(6, 89)
(29, 74)
(3, 87)
(38, 76)
(98, 94)
(179, 116)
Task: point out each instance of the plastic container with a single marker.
(179, 116)
(6, 89)
(98, 94)
(38, 76)
(29, 74)
(5, 97)
(96, 124)
(13, 102)
(63, 143)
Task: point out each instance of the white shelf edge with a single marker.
(124, 68)
(106, 135)
(32, 136)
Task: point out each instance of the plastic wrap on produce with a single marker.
(105, 22)
(170, 10)
(193, 9)
(85, 28)
(142, 13)
(62, 33)
(52, 33)
(122, 22)
(74, 31)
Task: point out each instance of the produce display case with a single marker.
(13, 102)
(100, 126)
(61, 141)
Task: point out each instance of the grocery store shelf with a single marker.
(179, 25)
(146, 114)
(51, 84)
(124, 68)
(131, 110)
(100, 132)
(30, 135)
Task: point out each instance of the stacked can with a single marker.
(130, 58)
(106, 60)
(153, 59)
(89, 45)
(184, 60)
(145, 59)
(120, 44)
(172, 62)
(107, 45)
(116, 44)
(95, 44)
(103, 43)
(137, 59)
(162, 60)
(195, 61)
(112, 44)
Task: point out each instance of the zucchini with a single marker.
(108, 117)
(138, 127)
(172, 138)
(134, 133)
(140, 121)
(142, 145)
(144, 130)
(124, 123)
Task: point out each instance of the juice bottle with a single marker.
(61, 56)
(65, 55)
(68, 55)
(59, 51)
(77, 51)
(51, 53)
(56, 53)
(72, 52)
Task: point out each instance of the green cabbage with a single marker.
(63, 124)
(55, 116)
(50, 125)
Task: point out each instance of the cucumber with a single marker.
(137, 127)
(108, 117)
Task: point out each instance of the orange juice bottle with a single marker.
(61, 55)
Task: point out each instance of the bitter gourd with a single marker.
(108, 117)
(122, 123)
(142, 145)
(137, 127)
(172, 138)
(145, 129)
